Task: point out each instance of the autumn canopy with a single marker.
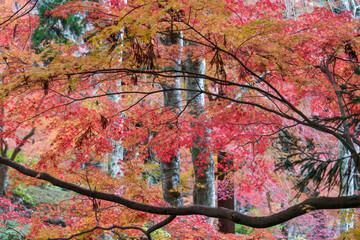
(177, 119)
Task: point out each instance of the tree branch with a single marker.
(161, 224)
(13, 17)
(18, 147)
(99, 227)
(302, 208)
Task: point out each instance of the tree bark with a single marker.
(3, 179)
(349, 5)
(3, 149)
(225, 165)
(117, 155)
(204, 186)
(347, 185)
(115, 158)
(170, 171)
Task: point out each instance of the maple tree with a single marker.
(268, 79)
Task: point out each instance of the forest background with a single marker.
(179, 119)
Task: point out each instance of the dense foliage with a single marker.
(257, 89)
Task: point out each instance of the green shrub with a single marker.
(27, 199)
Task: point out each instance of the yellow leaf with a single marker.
(308, 208)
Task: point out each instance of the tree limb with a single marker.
(302, 208)
(159, 225)
(18, 147)
(99, 227)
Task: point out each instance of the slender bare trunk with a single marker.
(3, 149)
(3, 179)
(170, 171)
(347, 186)
(117, 155)
(349, 5)
(204, 186)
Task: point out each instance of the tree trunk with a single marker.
(117, 155)
(3, 179)
(3, 149)
(170, 171)
(204, 186)
(349, 5)
(347, 186)
(115, 158)
(225, 184)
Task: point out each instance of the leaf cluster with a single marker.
(311, 165)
